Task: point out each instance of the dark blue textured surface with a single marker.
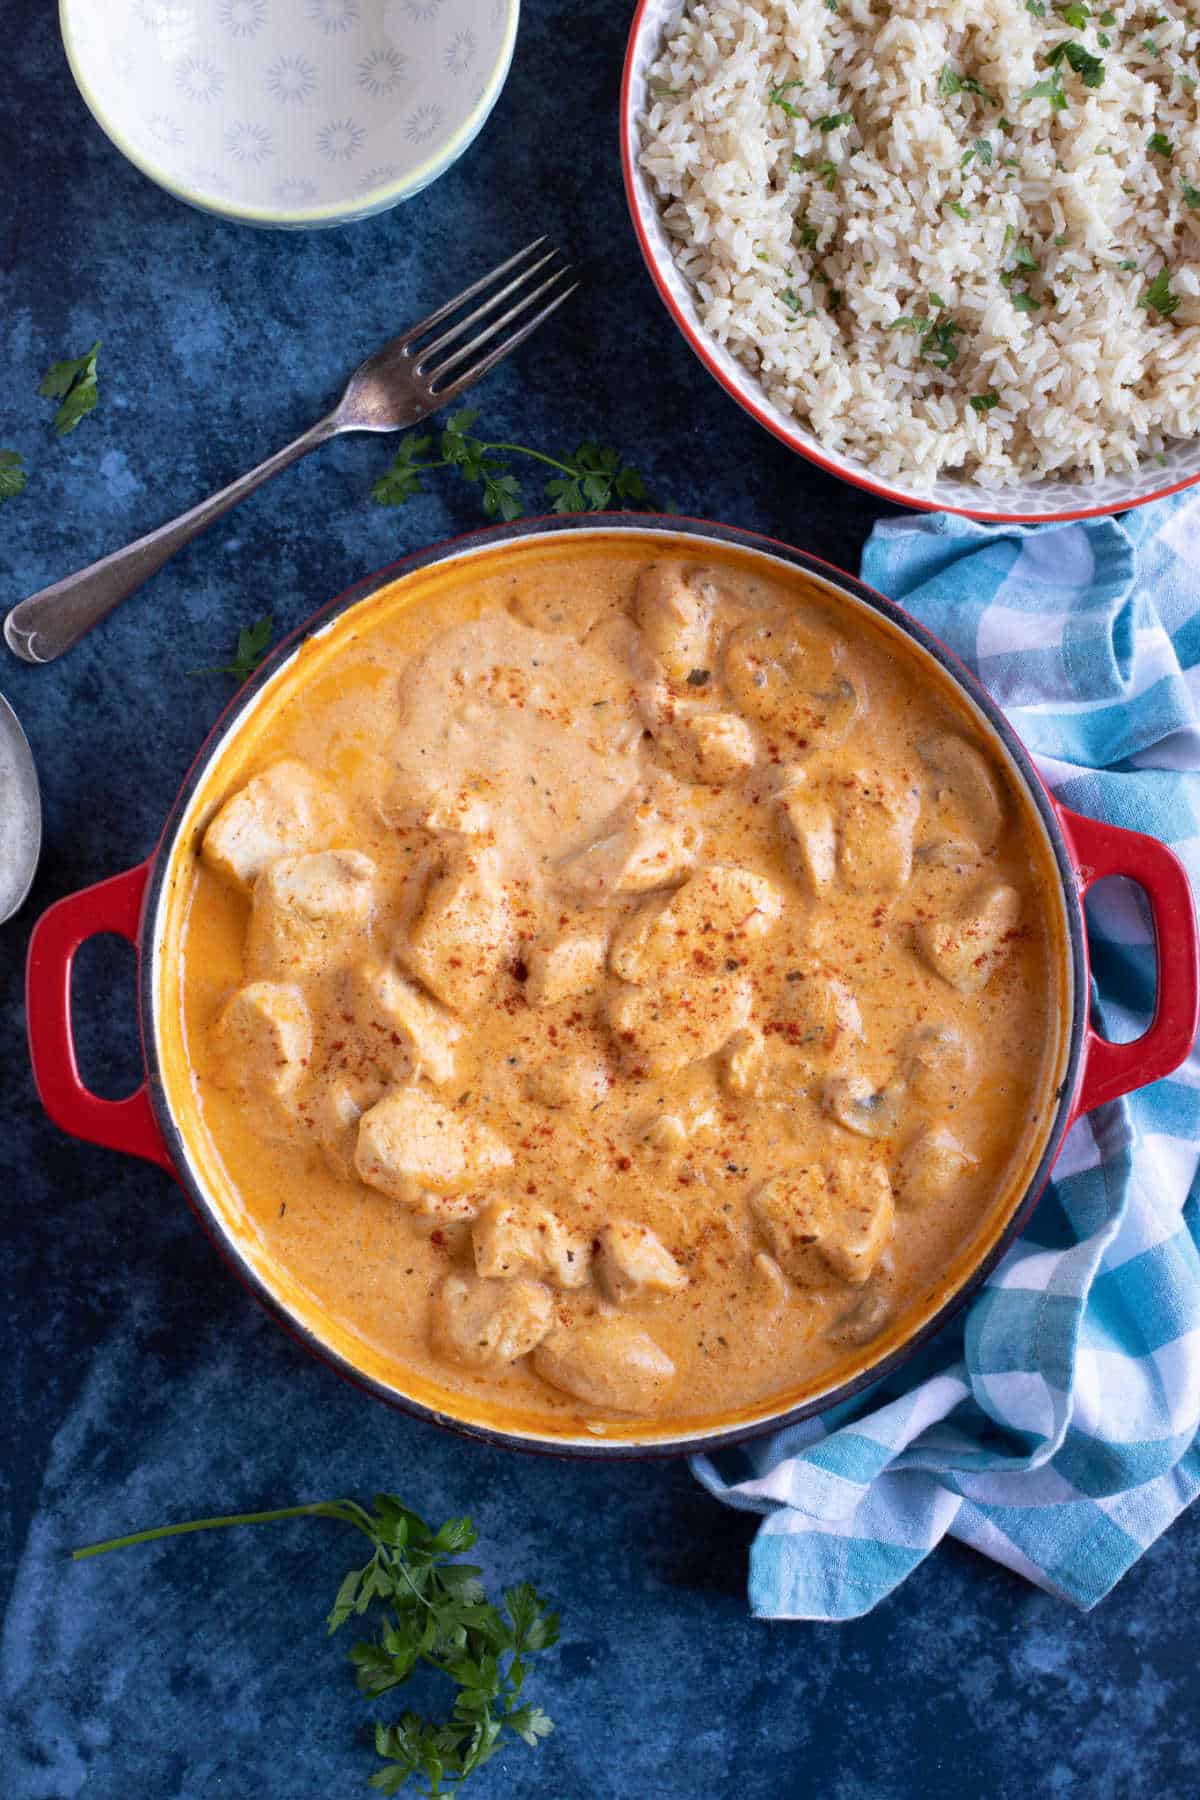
(137, 1381)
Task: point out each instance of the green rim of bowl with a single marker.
(376, 200)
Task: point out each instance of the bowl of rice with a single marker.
(947, 249)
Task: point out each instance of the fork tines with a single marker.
(531, 301)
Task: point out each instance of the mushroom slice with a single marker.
(607, 1362)
(935, 1060)
(827, 1223)
(410, 1145)
(486, 1323)
(794, 677)
(868, 1112)
(961, 772)
(632, 1262)
(708, 920)
(966, 950)
(674, 620)
(931, 1165)
(511, 1238)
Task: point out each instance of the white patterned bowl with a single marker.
(290, 112)
(1032, 501)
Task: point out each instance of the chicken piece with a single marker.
(283, 810)
(965, 787)
(264, 1038)
(310, 913)
(966, 950)
(465, 811)
(712, 748)
(666, 1134)
(868, 1112)
(810, 837)
(768, 1284)
(579, 1082)
(565, 966)
(486, 1323)
(674, 620)
(711, 918)
(741, 1060)
(607, 1362)
(463, 934)
(338, 1109)
(650, 850)
(879, 815)
(935, 1060)
(662, 1028)
(817, 1010)
(794, 677)
(511, 1238)
(631, 1263)
(931, 1166)
(409, 1145)
(406, 1033)
(827, 1223)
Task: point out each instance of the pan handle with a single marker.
(1097, 850)
(111, 906)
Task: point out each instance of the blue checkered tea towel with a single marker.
(1054, 1424)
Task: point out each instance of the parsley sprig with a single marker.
(936, 336)
(252, 642)
(588, 482)
(1158, 297)
(12, 475)
(434, 1614)
(74, 383)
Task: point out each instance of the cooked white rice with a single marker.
(805, 246)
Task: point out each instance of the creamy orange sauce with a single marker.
(615, 986)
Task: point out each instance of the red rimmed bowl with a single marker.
(153, 1123)
(1029, 501)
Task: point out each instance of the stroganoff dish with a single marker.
(620, 986)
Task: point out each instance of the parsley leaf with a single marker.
(74, 382)
(12, 475)
(1108, 18)
(1075, 14)
(950, 82)
(1191, 195)
(1025, 303)
(776, 98)
(1158, 295)
(1024, 258)
(252, 644)
(1160, 145)
(1036, 7)
(791, 300)
(834, 121)
(962, 211)
(983, 403)
(1051, 89)
(435, 1614)
(828, 173)
(1129, 263)
(588, 482)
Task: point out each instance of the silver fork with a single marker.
(401, 384)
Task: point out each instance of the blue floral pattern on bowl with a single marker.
(291, 112)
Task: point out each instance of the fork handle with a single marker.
(53, 621)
